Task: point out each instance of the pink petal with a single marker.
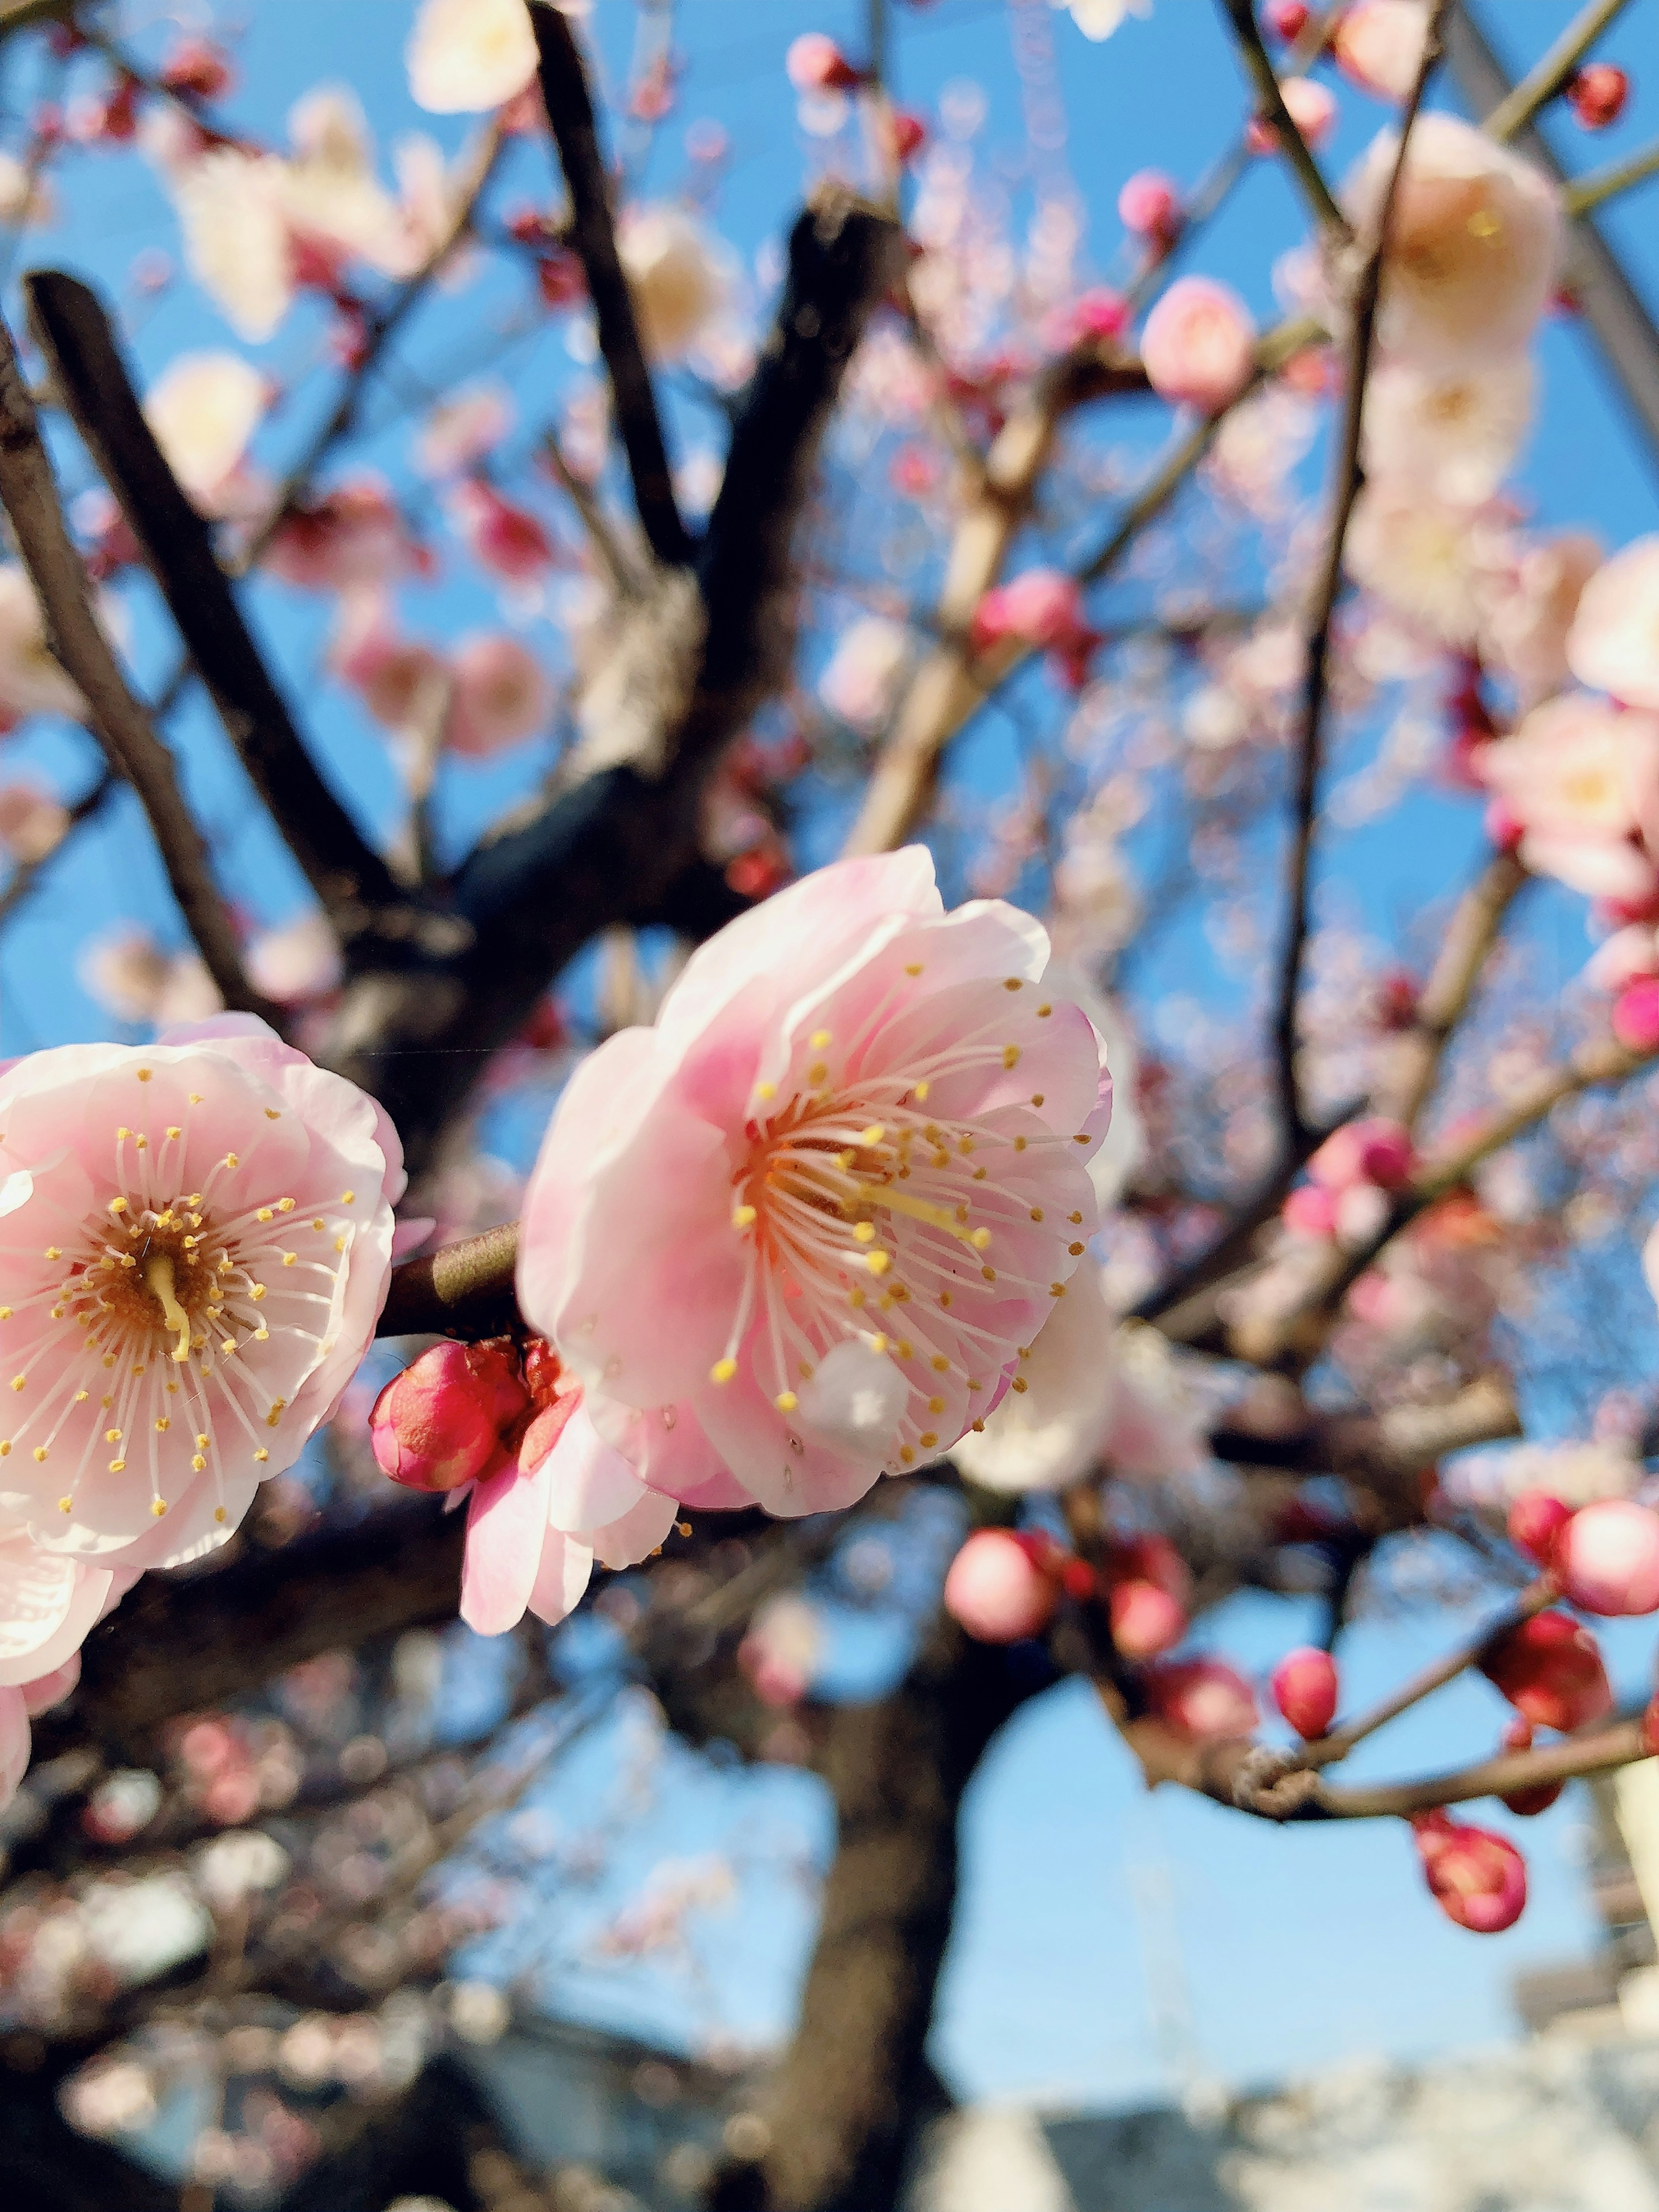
(505, 1529)
(588, 1482)
(635, 1536)
(561, 1577)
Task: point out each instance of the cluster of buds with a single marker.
(1006, 1585)
(1350, 1179)
(461, 1413)
(1604, 1558)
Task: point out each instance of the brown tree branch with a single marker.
(29, 490)
(570, 113)
(1466, 945)
(1287, 138)
(1350, 476)
(353, 882)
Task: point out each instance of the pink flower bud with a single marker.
(1199, 345)
(1538, 1796)
(815, 63)
(909, 134)
(1310, 1210)
(1636, 1015)
(1536, 1520)
(1372, 1149)
(1285, 19)
(1311, 107)
(1596, 94)
(437, 1424)
(1304, 1687)
(1001, 1586)
(1650, 1727)
(1550, 1669)
(1149, 205)
(1477, 1879)
(1607, 1557)
(1145, 1619)
(1204, 1698)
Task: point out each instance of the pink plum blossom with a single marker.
(1378, 45)
(352, 538)
(1455, 434)
(1425, 558)
(1474, 243)
(467, 55)
(503, 536)
(1606, 1557)
(1535, 606)
(502, 695)
(1306, 1689)
(49, 1601)
(782, 1652)
(1614, 643)
(1311, 106)
(1577, 772)
(195, 1244)
(397, 677)
(463, 430)
(1205, 1699)
(1550, 1669)
(1477, 1879)
(1199, 345)
(299, 961)
(800, 1230)
(1148, 1594)
(674, 273)
(202, 409)
(1003, 1587)
(1372, 1149)
(815, 63)
(861, 677)
(1149, 205)
(1043, 608)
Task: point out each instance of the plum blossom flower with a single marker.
(203, 409)
(1205, 1699)
(502, 695)
(1614, 643)
(49, 1601)
(861, 677)
(502, 536)
(1378, 45)
(1310, 105)
(800, 1230)
(1474, 242)
(298, 962)
(1535, 604)
(31, 822)
(195, 1243)
(31, 681)
(1002, 1586)
(1199, 345)
(676, 277)
(353, 538)
(1098, 19)
(1424, 557)
(465, 56)
(463, 430)
(1580, 779)
(1456, 434)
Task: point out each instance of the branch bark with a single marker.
(29, 490)
(1271, 103)
(570, 113)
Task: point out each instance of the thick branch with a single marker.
(1349, 477)
(570, 112)
(29, 490)
(73, 331)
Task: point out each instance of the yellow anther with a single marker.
(265, 1213)
(1083, 1137)
(18, 1381)
(723, 1371)
(319, 1223)
(112, 1435)
(40, 1455)
(163, 1423)
(1075, 1250)
(142, 1143)
(920, 1093)
(785, 1401)
(742, 1216)
(1036, 1098)
(347, 1197)
(980, 1239)
(989, 1273)
(939, 1364)
(230, 1160)
(936, 1405)
(928, 1438)
(1011, 1055)
(766, 1091)
(945, 1299)
(52, 1252)
(339, 1243)
(878, 1343)
(877, 1262)
(1043, 1013)
(144, 1074)
(873, 1134)
(288, 1258)
(199, 1462)
(219, 1511)
(175, 1133)
(5, 1313)
(261, 1454)
(1056, 1290)
(286, 1204)
(1020, 1384)
(913, 968)
(118, 1205)
(118, 1465)
(158, 1506)
(5, 1448)
(906, 1349)
(1020, 1144)
(818, 1074)
(964, 1145)
(907, 1456)
(818, 1039)
(978, 1428)
(122, 1133)
(257, 1292)
(855, 1297)
(1037, 1213)
(1014, 983)
(195, 1097)
(864, 1232)
(1074, 1218)
(200, 1441)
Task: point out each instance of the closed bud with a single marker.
(1477, 1879)
(1149, 205)
(909, 134)
(437, 1424)
(1538, 1796)
(1304, 1687)
(1536, 1521)
(1285, 19)
(1606, 1557)
(1205, 1699)
(1145, 1619)
(1550, 1669)
(1635, 1015)
(1002, 1587)
(1596, 94)
(815, 63)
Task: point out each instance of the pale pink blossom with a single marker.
(465, 56)
(1474, 243)
(1614, 643)
(1098, 19)
(31, 681)
(1304, 1687)
(502, 536)
(1311, 106)
(1576, 770)
(299, 961)
(195, 1237)
(463, 430)
(398, 677)
(718, 1237)
(815, 63)
(1455, 434)
(1535, 1520)
(676, 276)
(860, 680)
(1199, 345)
(1425, 558)
(1379, 46)
(1149, 204)
(31, 822)
(353, 538)
(1606, 1557)
(1205, 1699)
(1002, 1586)
(783, 1649)
(1533, 609)
(1634, 1019)
(49, 1601)
(127, 972)
(202, 409)
(502, 695)
(1477, 1879)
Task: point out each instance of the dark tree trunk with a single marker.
(856, 2081)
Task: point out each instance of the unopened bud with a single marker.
(1477, 1879)
(1145, 1620)
(1002, 1587)
(1305, 1687)
(1550, 1669)
(1203, 1698)
(1606, 1557)
(815, 63)
(1635, 1015)
(1596, 94)
(438, 1424)
(1536, 1520)
(1538, 1796)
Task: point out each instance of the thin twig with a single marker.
(618, 559)
(1350, 476)
(570, 113)
(1465, 948)
(1606, 183)
(29, 491)
(1547, 76)
(1277, 118)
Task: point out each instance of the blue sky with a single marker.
(1090, 1912)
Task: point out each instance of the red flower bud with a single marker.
(1635, 1014)
(1607, 1557)
(1203, 1698)
(1285, 19)
(438, 1424)
(815, 63)
(1304, 1687)
(1536, 1520)
(1550, 1669)
(1539, 1796)
(1002, 1587)
(909, 134)
(1477, 1879)
(1596, 94)
(1145, 1619)
(194, 66)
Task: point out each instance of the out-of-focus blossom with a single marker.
(678, 281)
(1537, 1519)
(1423, 556)
(400, 679)
(1372, 1149)
(1378, 45)
(233, 1204)
(1606, 1557)
(1311, 106)
(353, 538)
(465, 56)
(235, 237)
(1205, 1699)
(737, 1338)
(1041, 609)
(31, 681)
(463, 430)
(1198, 345)
(1614, 643)
(31, 822)
(1550, 1669)
(502, 536)
(1478, 1879)
(1576, 770)
(1098, 19)
(1456, 435)
(1002, 1586)
(1149, 1596)
(861, 677)
(203, 409)
(14, 1743)
(1149, 205)
(1474, 242)
(815, 63)
(502, 695)
(1596, 94)
(783, 1650)
(1635, 1017)
(1533, 607)
(299, 961)
(1305, 1688)
(25, 199)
